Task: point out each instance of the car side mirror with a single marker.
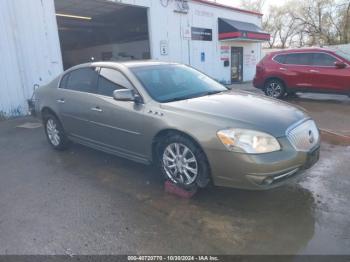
(124, 95)
(339, 65)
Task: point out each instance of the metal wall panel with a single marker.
(29, 50)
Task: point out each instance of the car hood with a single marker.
(242, 110)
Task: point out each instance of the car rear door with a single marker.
(297, 70)
(326, 76)
(76, 99)
(118, 125)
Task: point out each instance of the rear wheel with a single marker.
(55, 133)
(275, 88)
(183, 162)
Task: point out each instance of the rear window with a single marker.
(64, 81)
(83, 80)
(280, 59)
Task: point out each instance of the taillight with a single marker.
(259, 69)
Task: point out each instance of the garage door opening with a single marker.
(97, 30)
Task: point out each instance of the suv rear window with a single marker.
(280, 59)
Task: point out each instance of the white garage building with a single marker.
(41, 38)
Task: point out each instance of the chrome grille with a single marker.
(304, 136)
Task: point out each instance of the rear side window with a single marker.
(322, 59)
(111, 80)
(83, 80)
(298, 59)
(64, 81)
(280, 59)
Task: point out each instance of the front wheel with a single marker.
(183, 162)
(275, 88)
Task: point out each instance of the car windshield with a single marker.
(167, 83)
(343, 54)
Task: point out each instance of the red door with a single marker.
(327, 77)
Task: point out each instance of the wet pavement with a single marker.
(86, 202)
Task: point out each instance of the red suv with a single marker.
(304, 70)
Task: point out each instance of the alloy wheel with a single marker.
(274, 89)
(52, 132)
(180, 164)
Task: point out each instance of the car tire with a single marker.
(292, 94)
(55, 133)
(275, 88)
(183, 162)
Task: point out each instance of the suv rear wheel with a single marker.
(275, 88)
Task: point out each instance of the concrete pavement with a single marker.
(86, 202)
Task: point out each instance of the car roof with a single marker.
(128, 64)
(301, 50)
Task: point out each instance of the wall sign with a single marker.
(250, 60)
(164, 47)
(187, 33)
(224, 53)
(203, 13)
(202, 34)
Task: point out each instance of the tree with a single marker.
(253, 5)
(308, 22)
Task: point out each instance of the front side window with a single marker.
(166, 83)
(322, 59)
(299, 59)
(83, 80)
(111, 80)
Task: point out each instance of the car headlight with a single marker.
(248, 141)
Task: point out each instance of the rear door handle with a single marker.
(97, 109)
(283, 68)
(60, 101)
(314, 71)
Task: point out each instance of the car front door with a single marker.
(326, 76)
(118, 125)
(75, 98)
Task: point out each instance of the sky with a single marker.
(236, 3)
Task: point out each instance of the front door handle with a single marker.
(283, 68)
(97, 109)
(60, 101)
(314, 71)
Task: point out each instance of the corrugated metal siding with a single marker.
(29, 50)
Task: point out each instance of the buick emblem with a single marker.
(311, 137)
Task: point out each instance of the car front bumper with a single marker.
(260, 171)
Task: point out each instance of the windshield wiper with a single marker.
(177, 99)
(192, 96)
(210, 93)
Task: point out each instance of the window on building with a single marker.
(83, 80)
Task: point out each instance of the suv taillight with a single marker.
(259, 68)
